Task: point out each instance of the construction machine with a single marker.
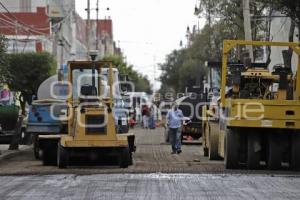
(47, 114)
(12, 121)
(91, 126)
(256, 120)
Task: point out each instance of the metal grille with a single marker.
(95, 124)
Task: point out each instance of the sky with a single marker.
(146, 30)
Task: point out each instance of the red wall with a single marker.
(105, 26)
(30, 23)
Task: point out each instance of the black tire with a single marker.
(231, 149)
(213, 146)
(124, 157)
(130, 159)
(131, 143)
(204, 141)
(36, 149)
(47, 158)
(274, 155)
(62, 156)
(295, 152)
(205, 151)
(26, 138)
(253, 150)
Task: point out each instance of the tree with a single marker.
(141, 82)
(185, 67)
(231, 13)
(290, 8)
(3, 59)
(26, 71)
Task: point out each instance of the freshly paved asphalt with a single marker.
(149, 186)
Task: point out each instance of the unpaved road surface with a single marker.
(152, 155)
(149, 186)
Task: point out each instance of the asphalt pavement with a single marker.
(149, 186)
(155, 174)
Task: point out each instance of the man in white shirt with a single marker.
(174, 120)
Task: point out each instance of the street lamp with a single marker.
(93, 54)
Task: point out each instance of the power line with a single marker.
(12, 24)
(32, 28)
(26, 29)
(29, 28)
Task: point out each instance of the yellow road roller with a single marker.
(91, 126)
(256, 120)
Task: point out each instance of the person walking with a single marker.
(174, 121)
(151, 117)
(145, 116)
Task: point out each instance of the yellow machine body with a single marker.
(259, 119)
(91, 124)
(80, 137)
(103, 131)
(283, 114)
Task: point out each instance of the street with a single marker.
(156, 174)
(149, 186)
(93, 92)
(153, 155)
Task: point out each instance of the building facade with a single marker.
(102, 38)
(55, 27)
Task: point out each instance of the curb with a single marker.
(7, 154)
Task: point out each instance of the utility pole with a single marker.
(154, 73)
(61, 44)
(97, 28)
(209, 42)
(88, 29)
(15, 50)
(73, 22)
(247, 26)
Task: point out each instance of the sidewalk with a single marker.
(6, 154)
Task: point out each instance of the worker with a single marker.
(174, 122)
(152, 118)
(145, 116)
(132, 121)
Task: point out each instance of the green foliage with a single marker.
(141, 82)
(27, 71)
(290, 8)
(230, 12)
(3, 59)
(185, 67)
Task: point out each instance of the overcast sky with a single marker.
(146, 30)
